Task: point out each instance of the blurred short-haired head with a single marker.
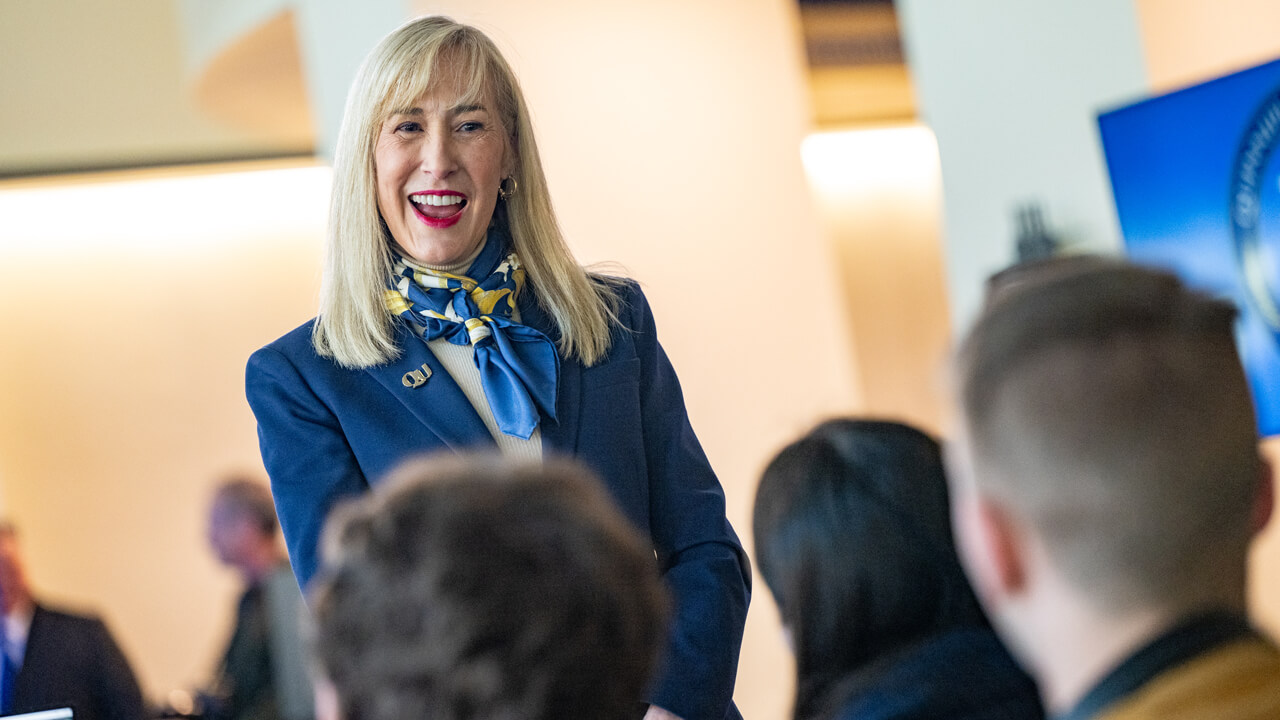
(1104, 408)
(472, 587)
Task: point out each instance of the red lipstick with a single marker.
(441, 215)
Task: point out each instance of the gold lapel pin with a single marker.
(416, 378)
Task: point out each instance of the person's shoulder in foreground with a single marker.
(1211, 667)
(1109, 483)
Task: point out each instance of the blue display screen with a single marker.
(1196, 178)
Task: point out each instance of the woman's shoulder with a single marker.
(627, 295)
(620, 286)
(295, 344)
(298, 336)
(294, 353)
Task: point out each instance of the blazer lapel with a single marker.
(559, 435)
(438, 403)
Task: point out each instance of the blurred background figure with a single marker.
(853, 537)
(54, 659)
(1109, 484)
(476, 588)
(263, 673)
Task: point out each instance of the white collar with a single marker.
(17, 626)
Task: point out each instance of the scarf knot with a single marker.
(519, 366)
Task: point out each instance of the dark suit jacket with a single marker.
(72, 660)
(328, 433)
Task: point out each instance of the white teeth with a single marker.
(437, 199)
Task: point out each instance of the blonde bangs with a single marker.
(457, 59)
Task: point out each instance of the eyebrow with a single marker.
(458, 110)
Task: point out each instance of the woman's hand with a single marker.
(657, 713)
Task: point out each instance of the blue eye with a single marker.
(408, 127)
(471, 126)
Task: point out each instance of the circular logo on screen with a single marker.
(1255, 209)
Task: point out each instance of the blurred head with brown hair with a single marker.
(475, 588)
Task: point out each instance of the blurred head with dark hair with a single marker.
(853, 537)
(475, 588)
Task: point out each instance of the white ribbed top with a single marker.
(460, 362)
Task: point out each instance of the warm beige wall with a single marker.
(128, 312)
(1190, 41)
(879, 193)
(85, 83)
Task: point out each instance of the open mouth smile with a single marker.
(439, 208)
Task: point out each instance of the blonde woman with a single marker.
(453, 317)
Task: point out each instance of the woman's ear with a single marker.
(1263, 497)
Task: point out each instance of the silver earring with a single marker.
(507, 187)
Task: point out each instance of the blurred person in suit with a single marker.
(52, 658)
(1108, 483)
(263, 674)
(853, 537)
(453, 317)
(473, 587)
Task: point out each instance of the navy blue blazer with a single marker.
(327, 433)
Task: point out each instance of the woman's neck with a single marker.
(456, 268)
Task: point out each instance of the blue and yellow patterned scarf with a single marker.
(519, 366)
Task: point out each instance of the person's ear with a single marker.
(1263, 497)
(1001, 547)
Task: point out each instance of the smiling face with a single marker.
(439, 164)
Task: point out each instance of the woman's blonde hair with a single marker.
(354, 327)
